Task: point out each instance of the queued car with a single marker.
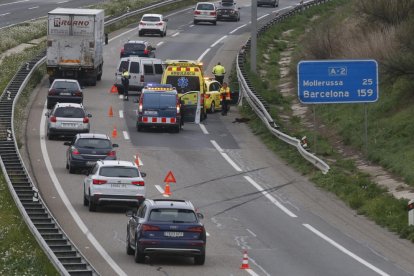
(205, 12)
(113, 182)
(86, 149)
(212, 97)
(64, 91)
(166, 227)
(138, 48)
(228, 10)
(152, 24)
(273, 3)
(67, 119)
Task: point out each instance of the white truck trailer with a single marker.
(75, 39)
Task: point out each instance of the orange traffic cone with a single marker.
(245, 263)
(114, 132)
(137, 161)
(111, 112)
(114, 89)
(167, 191)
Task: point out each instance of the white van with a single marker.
(142, 70)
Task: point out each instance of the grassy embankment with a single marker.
(322, 30)
(20, 254)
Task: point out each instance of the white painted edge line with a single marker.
(32, 8)
(192, 25)
(218, 41)
(203, 128)
(207, 234)
(225, 156)
(346, 251)
(121, 114)
(203, 54)
(62, 2)
(251, 272)
(174, 13)
(270, 197)
(126, 135)
(177, 33)
(3, 14)
(238, 28)
(251, 232)
(158, 187)
(14, 2)
(67, 203)
(121, 97)
(160, 43)
(263, 16)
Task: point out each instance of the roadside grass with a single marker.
(344, 179)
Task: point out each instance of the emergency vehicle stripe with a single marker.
(159, 120)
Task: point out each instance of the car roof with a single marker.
(66, 80)
(136, 58)
(69, 105)
(171, 203)
(209, 3)
(93, 135)
(152, 14)
(137, 42)
(117, 163)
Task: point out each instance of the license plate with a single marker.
(150, 112)
(90, 163)
(69, 125)
(174, 234)
(118, 185)
(65, 94)
(225, 15)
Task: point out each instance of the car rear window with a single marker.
(227, 4)
(123, 65)
(93, 143)
(172, 215)
(184, 83)
(118, 171)
(151, 18)
(159, 100)
(65, 85)
(207, 7)
(128, 47)
(69, 112)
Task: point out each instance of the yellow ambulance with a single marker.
(187, 76)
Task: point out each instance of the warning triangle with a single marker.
(169, 178)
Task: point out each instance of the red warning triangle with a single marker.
(169, 178)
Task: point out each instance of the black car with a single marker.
(166, 227)
(64, 91)
(228, 10)
(273, 3)
(87, 148)
(138, 48)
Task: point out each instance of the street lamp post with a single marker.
(253, 37)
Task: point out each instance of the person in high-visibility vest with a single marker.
(125, 83)
(225, 98)
(218, 72)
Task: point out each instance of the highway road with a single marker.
(250, 198)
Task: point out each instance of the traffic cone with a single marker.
(114, 132)
(114, 89)
(111, 112)
(167, 191)
(245, 263)
(137, 161)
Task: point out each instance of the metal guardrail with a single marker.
(259, 105)
(63, 254)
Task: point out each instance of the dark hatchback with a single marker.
(64, 91)
(87, 148)
(139, 48)
(228, 10)
(166, 227)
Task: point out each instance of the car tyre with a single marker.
(85, 200)
(139, 257)
(213, 107)
(165, 32)
(139, 128)
(129, 249)
(71, 169)
(176, 129)
(195, 22)
(92, 206)
(215, 22)
(200, 260)
(140, 33)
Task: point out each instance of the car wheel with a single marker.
(49, 105)
(165, 32)
(71, 169)
(67, 165)
(212, 107)
(139, 257)
(85, 200)
(214, 22)
(200, 260)
(129, 249)
(92, 205)
(176, 129)
(50, 136)
(139, 128)
(195, 22)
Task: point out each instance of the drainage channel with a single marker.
(62, 252)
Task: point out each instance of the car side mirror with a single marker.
(89, 115)
(165, 19)
(106, 38)
(67, 143)
(115, 145)
(152, 48)
(129, 213)
(47, 114)
(200, 215)
(86, 172)
(143, 174)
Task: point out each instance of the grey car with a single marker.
(228, 10)
(273, 3)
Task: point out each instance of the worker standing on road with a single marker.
(218, 72)
(125, 83)
(225, 98)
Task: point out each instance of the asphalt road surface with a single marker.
(250, 198)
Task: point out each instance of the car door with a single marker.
(134, 72)
(149, 72)
(214, 91)
(88, 178)
(190, 105)
(136, 221)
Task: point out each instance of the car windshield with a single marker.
(119, 171)
(184, 83)
(65, 85)
(151, 18)
(134, 47)
(206, 7)
(227, 4)
(69, 112)
(93, 143)
(172, 215)
(160, 100)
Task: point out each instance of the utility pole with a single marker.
(253, 35)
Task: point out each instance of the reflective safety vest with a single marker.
(225, 93)
(218, 70)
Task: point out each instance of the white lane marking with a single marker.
(32, 8)
(203, 129)
(207, 234)
(174, 13)
(66, 200)
(192, 25)
(218, 41)
(121, 114)
(238, 28)
(177, 33)
(160, 43)
(161, 190)
(251, 272)
(203, 54)
(270, 197)
(121, 34)
(251, 232)
(276, 11)
(14, 2)
(344, 250)
(263, 16)
(3, 14)
(126, 135)
(225, 156)
(62, 2)
(121, 97)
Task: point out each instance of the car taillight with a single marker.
(148, 227)
(112, 153)
(53, 119)
(78, 94)
(75, 151)
(141, 79)
(197, 12)
(146, 52)
(85, 120)
(52, 92)
(159, 24)
(198, 229)
(99, 181)
(122, 50)
(212, 13)
(142, 23)
(138, 183)
(178, 107)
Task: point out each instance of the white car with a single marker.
(205, 12)
(152, 23)
(113, 181)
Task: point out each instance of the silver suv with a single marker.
(113, 181)
(205, 12)
(67, 119)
